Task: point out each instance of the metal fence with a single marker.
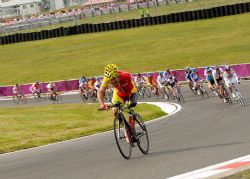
(79, 15)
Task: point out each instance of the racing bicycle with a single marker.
(55, 98)
(88, 95)
(178, 95)
(143, 91)
(238, 96)
(226, 94)
(19, 98)
(200, 90)
(130, 132)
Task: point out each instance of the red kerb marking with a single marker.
(234, 165)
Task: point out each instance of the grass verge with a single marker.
(240, 175)
(198, 43)
(26, 127)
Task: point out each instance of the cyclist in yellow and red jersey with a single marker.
(124, 88)
(151, 81)
(91, 84)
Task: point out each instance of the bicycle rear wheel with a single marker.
(179, 96)
(59, 99)
(93, 96)
(122, 136)
(204, 92)
(141, 134)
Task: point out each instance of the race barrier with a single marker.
(242, 70)
(131, 23)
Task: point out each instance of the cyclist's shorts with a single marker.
(188, 77)
(148, 84)
(117, 98)
(172, 85)
(212, 82)
(219, 80)
(197, 79)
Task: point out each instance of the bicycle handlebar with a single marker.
(118, 104)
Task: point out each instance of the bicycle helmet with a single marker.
(110, 71)
(217, 68)
(207, 68)
(147, 74)
(194, 70)
(161, 73)
(170, 77)
(227, 68)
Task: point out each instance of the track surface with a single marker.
(203, 133)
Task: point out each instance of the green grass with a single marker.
(240, 175)
(198, 43)
(27, 127)
(160, 10)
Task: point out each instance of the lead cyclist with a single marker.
(124, 88)
(230, 78)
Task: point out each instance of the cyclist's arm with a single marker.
(176, 82)
(235, 76)
(101, 94)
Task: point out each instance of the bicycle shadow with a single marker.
(174, 151)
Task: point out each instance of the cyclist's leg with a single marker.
(132, 101)
(190, 83)
(171, 87)
(116, 99)
(210, 85)
(220, 87)
(229, 85)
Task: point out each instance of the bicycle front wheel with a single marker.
(24, 99)
(239, 97)
(15, 99)
(141, 134)
(122, 136)
(147, 92)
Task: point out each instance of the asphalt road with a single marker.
(203, 133)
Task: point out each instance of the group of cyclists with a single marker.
(36, 90)
(159, 83)
(163, 82)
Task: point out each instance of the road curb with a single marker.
(219, 170)
(230, 172)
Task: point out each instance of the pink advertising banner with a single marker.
(242, 70)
